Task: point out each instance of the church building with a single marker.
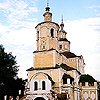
(57, 73)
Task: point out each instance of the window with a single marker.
(43, 45)
(60, 46)
(83, 83)
(52, 32)
(57, 31)
(64, 80)
(43, 85)
(91, 84)
(37, 35)
(35, 85)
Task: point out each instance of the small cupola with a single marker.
(47, 15)
(62, 24)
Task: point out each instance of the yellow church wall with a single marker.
(40, 76)
(43, 31)
(48, 18)
(65, 46)
(45, 35)
(55, 75)
(72, 62)
(52, 43)
(71, 73)
(37, 45)
(43, 59)
(34, 73)
(51, 58)
(42, 41)
(47, 43)
(58, 58)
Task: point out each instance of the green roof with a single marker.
(86, 78)
(63, 31)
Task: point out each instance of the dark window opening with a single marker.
(83, 83)
(52, 32)
(60, 46)
(39, 98)
(37, 35)
(57, 31)
(35, 86)
(43, 47)
(71, 81)
(64, 80)
(43, 85)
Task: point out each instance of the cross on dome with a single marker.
(47, 8)
(62, 24)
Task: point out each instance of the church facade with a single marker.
(56, 71)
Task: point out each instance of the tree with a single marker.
(9, 85)
(8, 64)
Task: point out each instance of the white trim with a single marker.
(39, 88)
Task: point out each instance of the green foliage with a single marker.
(8, 64)
(9, 85)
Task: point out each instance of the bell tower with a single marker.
(47, 32)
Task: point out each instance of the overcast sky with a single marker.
(18, 19)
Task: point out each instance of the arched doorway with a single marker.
(39, 98)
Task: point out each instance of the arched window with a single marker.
(52, 32)
(35, 85)
(37, 35)
(43, 85)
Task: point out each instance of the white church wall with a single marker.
(39, 86)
